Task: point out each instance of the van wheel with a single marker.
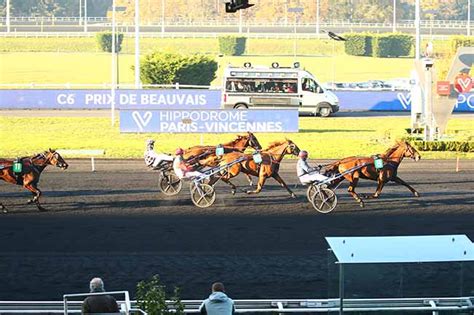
(241, 106)
(324, 111)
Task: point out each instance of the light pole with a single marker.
(8, 16)
(114, 65)
(295, 11)
(240, 21)
(80, 12)
(394, 22)
(468, 17)
(317, 17)
(85, 16)
(417, 30)
(137, 44)
(162, 16)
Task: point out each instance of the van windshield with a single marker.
(310, 85)
(261, 85)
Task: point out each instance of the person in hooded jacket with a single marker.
(218, 303)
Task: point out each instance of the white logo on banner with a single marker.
(142, 121)
(405, 100)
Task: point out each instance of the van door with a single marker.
(311, 94)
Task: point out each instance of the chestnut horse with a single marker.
(30, 174)
(206, 155)
(391, 158)
(269, 167)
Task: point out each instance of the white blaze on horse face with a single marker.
(142, 121)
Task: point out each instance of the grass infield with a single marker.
(324, 138)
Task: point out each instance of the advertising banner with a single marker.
(102, 99)
(209, 121)
(391, 101)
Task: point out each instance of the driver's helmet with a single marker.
(179, 151)
(303, 154)
(150, 143)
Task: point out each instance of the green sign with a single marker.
(257, 158)
(378, 163)
(17, 167)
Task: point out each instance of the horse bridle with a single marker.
(272, 160)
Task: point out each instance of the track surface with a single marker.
(115, 224)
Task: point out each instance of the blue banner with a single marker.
(391, 101)
(209, 121)
(102, 99)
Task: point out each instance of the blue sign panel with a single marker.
(102, 99)
(391, 101)
(209, 121)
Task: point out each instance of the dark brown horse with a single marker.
(391, 158)
(269, 167)
(30, 174)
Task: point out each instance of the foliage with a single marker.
(151, 298)
(169, 68)
(457, 146)
(232, 45)
(392, 45)
(461, 41)
(358, 44)
(104, 40)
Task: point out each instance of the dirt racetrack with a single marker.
(114, 223)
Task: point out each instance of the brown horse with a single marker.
(30, 174)
(391, 158)
(269, 167)
(206, 155)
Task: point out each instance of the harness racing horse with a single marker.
(206, 155)
(32, 167)
(391, 158)
(269, 166)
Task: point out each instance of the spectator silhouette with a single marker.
(218, 303)
(95, 304)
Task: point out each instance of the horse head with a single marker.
(292, 148)
(410, 151)
(253, 141)
(55, 159)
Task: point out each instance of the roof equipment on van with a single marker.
(247, 65)
(275, 65)
(296, 65)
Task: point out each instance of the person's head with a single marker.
(96, 285)
(179, 152)
(303, 155)
(150, 144)
(218, 287)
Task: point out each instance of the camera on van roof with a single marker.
(275, 65)
(296, 65)
(247, 65)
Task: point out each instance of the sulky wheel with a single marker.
(324, 200)
(170, 184)
(203, 195)
(310, 192)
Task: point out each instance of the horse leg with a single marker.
(36, 195)
(277, 177)
(228, 182)
(261, 182)
(249, 178)
(351, 189)
(3, 208)
(400, 181)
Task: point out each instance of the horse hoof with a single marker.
(30, 202)
(233, 191)
(293, 196)
(417, 194)
(42, 209)
(361, 204)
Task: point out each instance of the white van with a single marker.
(277, 88)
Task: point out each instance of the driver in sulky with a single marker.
(152, 158)
(185, 168)
(306, 173)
